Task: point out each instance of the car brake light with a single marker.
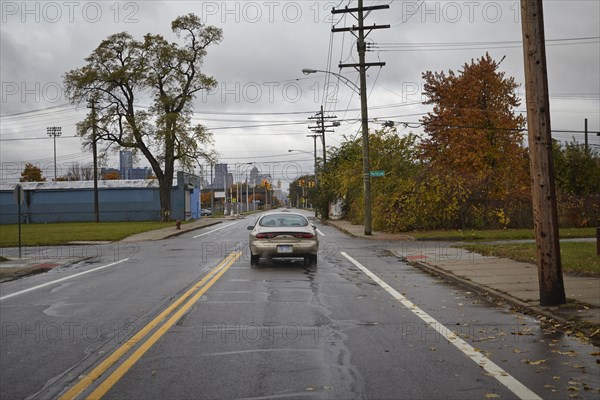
(303, 235)
(265, 235)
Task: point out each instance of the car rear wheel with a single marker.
(310, 261)
(254, 259)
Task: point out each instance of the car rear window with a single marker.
(285, 220)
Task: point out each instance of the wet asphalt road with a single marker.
(279, 330)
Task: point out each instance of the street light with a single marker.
(348, 82)
(301, 151)
(54, 131)
(365, 138)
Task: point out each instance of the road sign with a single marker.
(219, 195)
(378, 173)
(19, 194)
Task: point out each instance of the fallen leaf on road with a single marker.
(556, 378)
(538, 362)
(491, 396)
(569, 353)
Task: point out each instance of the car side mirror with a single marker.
(250, 228)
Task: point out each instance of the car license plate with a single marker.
(284, 249)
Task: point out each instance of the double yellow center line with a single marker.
(167, 318)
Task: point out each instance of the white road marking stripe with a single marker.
(60, 280)
(520, 390)
(214, 230)
(320, 233)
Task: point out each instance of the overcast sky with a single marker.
(260, 108)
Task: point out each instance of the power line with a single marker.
(444, 46)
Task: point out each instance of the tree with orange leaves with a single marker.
(474, 146)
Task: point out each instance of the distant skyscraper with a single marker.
(254, 180)
(221, 176)
(125, 164)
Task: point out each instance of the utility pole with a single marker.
(362, 67)
(585, 130)
(545, 215)
(247, 205)
(320, 130)
(53, 132)
(95, 161)
(212, 189)
(314, 136)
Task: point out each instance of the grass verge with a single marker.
(578, 258)
(63, 233)
(497, 234)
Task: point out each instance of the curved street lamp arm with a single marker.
(347, 82)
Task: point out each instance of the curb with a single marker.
(374, 237)
(17, 273)
(484, 290)
(326, 222)
(182, 231)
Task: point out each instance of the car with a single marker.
(283, 235)
(205, 212)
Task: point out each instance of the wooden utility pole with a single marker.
(362, 67)
(321, 129)
(552, 290)
(314, 136)
(585, 132)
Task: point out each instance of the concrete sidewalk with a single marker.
(44, 258)
(512, 281)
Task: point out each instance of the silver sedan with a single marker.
(283, 234)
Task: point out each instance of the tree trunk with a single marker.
(165, 187)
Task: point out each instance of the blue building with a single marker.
(119, 200)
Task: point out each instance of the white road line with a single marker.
(320, 233)
(520, 390)
(60, 280)
(214, 230)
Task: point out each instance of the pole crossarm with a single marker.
(355, 28)
(367, 65)
(355, 9)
